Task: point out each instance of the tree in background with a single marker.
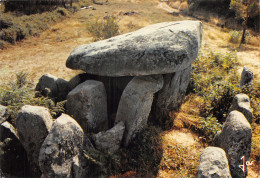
(245, 9)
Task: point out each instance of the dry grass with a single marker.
(180, 156)
(188, 114)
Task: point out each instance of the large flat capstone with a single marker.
(156, 49)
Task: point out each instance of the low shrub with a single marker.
(16, 94)
(214, 77)
(103, 29)
(14, 28)
(235, 36)
(209, 127)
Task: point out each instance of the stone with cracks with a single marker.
(111, 139)
(241, 103)
(114, 88)
(173, 91)
(135, 104)
(60, 148)
(53, 87)
(87, 104)
(13, 159)
(156, 49)
(3, 114)
(247, 77)
(33, 124)
(213, 163)
(235, 138)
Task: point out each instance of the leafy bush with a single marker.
(235, 36)
(20, 92)
(209, 127)
(214, 77)
(103, 29)
(2, 44)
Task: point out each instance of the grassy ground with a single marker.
(47, 53)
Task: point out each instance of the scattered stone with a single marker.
(235, 138)
(130, 13)
(13, 158)
(53, 87)
(156, 49)
(87, 103)
(111, 139)
(33, 124)
(247, 77)
(135, 104)
(173, 91)
(3, 114)
(213, 163)
(241, 103)
(60, 148)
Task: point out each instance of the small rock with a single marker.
(235, 138)
(87, 103)
(111, 139)
(213, 163)
(135, 104)
(60, 148)
(241, 103)
(129, 13)
(33, 124)
(53, 87)
(247, 77)
(13, 159)
(3, 114)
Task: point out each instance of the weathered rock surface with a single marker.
(156, 49)
(13, 158)
(114, 88)
(135, 104)
(235, 138)
(87, 103)
(173, 91)
(213, 163)
(111, 139)
(60, 148)
(247, 77)
(241, 103)
(53, 87)
(3, 114)
(33, 124)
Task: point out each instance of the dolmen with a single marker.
(129, 77)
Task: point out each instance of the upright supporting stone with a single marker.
(213, 163)
(60, 148)
(87, 103)
(33, 124)
(235, 138)
(241, 103)
(247, 77)
(135, 104)
(173, 91)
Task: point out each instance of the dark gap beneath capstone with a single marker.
(114, 88)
